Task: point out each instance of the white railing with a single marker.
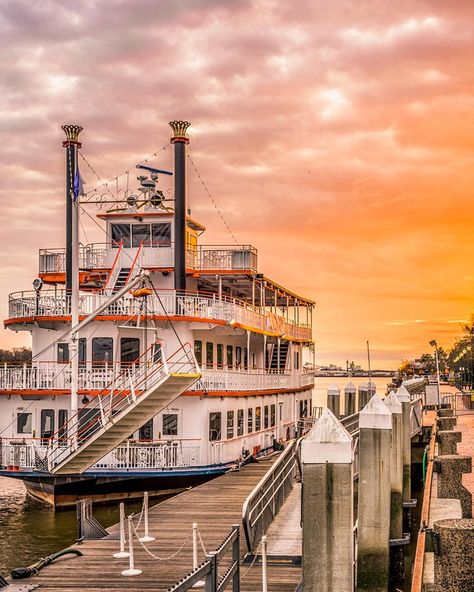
(93, 256)
(161, 303)
(129, 455)
(94, 376)
(205, 257)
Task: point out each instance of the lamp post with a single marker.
(435, 345)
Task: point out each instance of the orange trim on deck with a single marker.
(247, 393)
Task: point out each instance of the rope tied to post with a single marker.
(157, 557)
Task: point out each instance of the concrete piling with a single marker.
(328, 517)
(334, 400)
(404, 398)
(450, 469)
(448, 441)
(363, 395)
(454, 555)
(375, 423)
(349, 399)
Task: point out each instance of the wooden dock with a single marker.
(214, 506)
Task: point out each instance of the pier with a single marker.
(258, 528)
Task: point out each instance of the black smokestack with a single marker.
(179, 140)
(72, 145)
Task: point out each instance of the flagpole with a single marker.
(72, 145)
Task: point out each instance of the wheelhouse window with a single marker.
(170, 424)
(120, 234)
(240, 422)
(249, 421)
(102, 350)
(272, 415)
(47, 423)
(24, 423)
(230, 356)
(230, 424)
(220, 355)
(140, 235)
(214, 426)
(209, 355)
(129, 350)
(63, 353)
(265, 417)
(198, 351)
(161, 234)
(258, 418)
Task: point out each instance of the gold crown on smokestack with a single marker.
(179, 129)
(72, 132)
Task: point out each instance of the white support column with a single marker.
(327, 507)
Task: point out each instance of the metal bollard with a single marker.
(199, 583)
(146, 538)
(264, 564)
(131, 571)
(122, 553)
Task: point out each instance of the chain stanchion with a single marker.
(146, 538)
(264, 564)
(200, 583)
(122, 554)
(131, 571)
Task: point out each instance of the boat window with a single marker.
(63, 353)
(214, 426)
(240, 422)
(258, 418)
(246, 358)
(272, 415)
(102, 350)
(280, 411)
(209, 355)
(303, 409)
(254, 360)
(238, 356)
(88, 420)
(157, 353)
(24, 423)
(129, 350)
(220, 355)
(120, 232)
(198, 351)
(146, 431)
(140, 235)
(230, 356)
(82, 351)
(230, 424)
(47, 423)
(161, 234)
(265, 417)
(297, 360)
(170, 424)
(250, 421)
(62, 421)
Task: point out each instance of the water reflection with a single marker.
(30, 530)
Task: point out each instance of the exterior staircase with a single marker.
(122, 278)
(139, 392)
(272, 358)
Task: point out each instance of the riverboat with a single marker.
(158, 362)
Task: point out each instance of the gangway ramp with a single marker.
(133, 398)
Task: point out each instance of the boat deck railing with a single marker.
(166, 303)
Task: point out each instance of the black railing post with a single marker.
(236, 559)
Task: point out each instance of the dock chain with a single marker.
(201, 542)
(253, 561)
(157, 557)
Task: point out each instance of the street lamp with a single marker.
(435, 345)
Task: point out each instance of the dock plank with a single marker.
(215, 506)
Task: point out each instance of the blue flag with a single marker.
(78, 188)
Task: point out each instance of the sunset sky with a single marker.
(336, 137)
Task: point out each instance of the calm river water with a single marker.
(30, 530)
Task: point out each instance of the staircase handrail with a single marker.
(113, 273)
(134, 262)
(151, 366)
